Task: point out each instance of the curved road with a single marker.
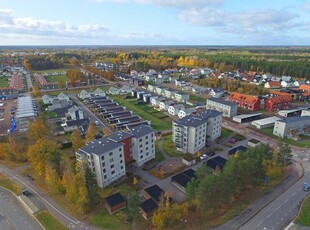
(58, 212)
(13, 215)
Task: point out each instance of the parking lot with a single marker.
(5, 115)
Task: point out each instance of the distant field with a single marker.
(3, 82)
(56, 78)
(64, 69)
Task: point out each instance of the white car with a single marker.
(203, 156)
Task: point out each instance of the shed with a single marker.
(253, 142)
(216, 162)
(115, 203)
(147, 208)
(189, 160)
(239, 148)
(155, 192)
(182, 179)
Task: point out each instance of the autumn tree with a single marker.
(77, 140)
(106, 130)
(52, 179)
(39, 153)
(74, 75)
(37, 129)
(90, 132)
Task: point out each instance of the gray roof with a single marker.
(197, 119)
(177, 106)
(140, 131)
(221, 101)
(100, 146)
(119, 136)
(295, 119)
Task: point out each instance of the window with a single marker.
(102, 158)
(121, 162)
(120, 155)
(104, 171)
(120, 149)
(147, 137)
(122, 167)
(111, 153)
(105, 177)
(141, 151)
(140, 140)
(141, 156)
(112, 172)
(147, 143)
(140, 146)
(147, 148)
(103, 164)
(152, 135)
(112, 166)
(111, 160)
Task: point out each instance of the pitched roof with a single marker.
(221, 101)
(280, 99)
(279, 93)
(239, 148)
(140, 131)
(304, 87)
(155, 192)
(148, 205)
(217, 161)
(114, 199)
(243, 97)
(184, 178)
(274, 83)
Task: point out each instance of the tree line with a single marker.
(41, 63)
(215, 193)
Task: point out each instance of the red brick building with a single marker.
(278, 103)
(245, 101)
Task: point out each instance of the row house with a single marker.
(175, 109)
(180, 96)
(245, 101)
(272, 85)
(164, 105)
(216, 92)
(229, 109)
(278, 103)
(186, 112)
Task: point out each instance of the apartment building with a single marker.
(245, 101)
(142, 144)
(229, 109)
(105, 158)
(292, 126)
(191, 133)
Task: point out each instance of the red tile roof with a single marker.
(243, 97)
(275, 92)
(305, 87)
(280, 99)
(274, 84)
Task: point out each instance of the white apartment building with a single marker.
(180, 97)
(106, 159)
(156, 100)
(142, 144)
(229, 109)
(288, 126)
(191, 133)
(174, 109)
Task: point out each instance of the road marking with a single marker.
(293, 194)
(1, 213)
(64, 215)
(269, 215)
(286, 201)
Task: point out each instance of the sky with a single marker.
(155, 22)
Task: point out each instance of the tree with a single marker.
(37, 129)
(284, 154)
(52, 179)
(106, 130)
(77, 140)
(90, 132)
(135, 181)
(39, 153)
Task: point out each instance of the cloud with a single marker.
(180, 4)
(30, 26)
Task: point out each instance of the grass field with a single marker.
(304, 216)
(58, 78)
(169, 148)
(158, 120)
(64, 69)
(49, 222)
(3, 82)
(301, 143)
(226, 133)
(197, 98)
(158, 156)
(8, 184)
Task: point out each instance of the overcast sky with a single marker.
(154, 22)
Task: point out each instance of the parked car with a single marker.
(232, 140)
(211, 154)
(203, 156)
(25, 192)
(306, 187)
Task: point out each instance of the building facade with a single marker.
(191, 133)
(229, 109)
(278, 103)
(289, 127)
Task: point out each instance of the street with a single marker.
(13, 215)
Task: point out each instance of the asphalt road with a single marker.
(55, 210)
(13, 215)
(89, 113)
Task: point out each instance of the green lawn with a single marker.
(103, 219)
(304, 216)
(158, 156)
(145, 112)
(225, 132)
(57, 78)
(4, 82)
(197, 98)
(301, 143)
(64, 69)
(49, 222)
(169, 147)
(8, 184)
